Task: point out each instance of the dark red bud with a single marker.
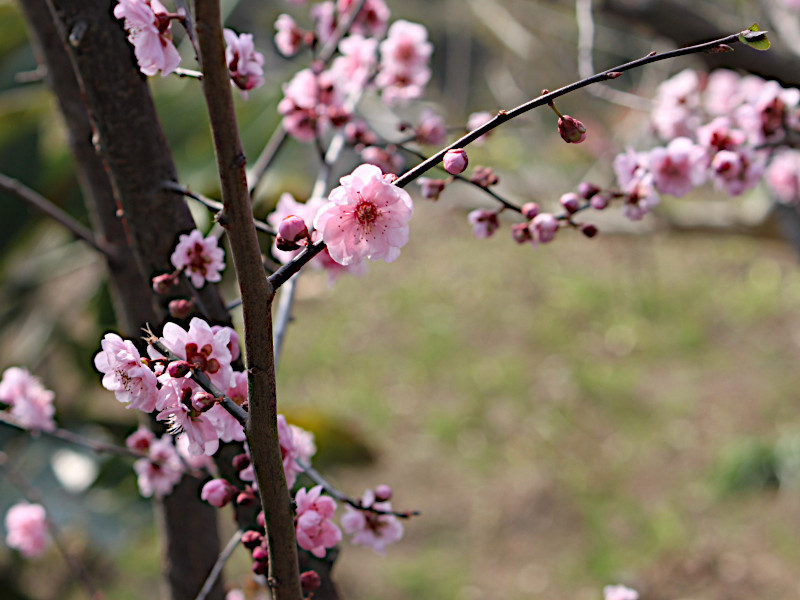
(251, 538)
(310, 581)
(260, 568)
(178, 368)
(180, 309)
(260, 554)
(383, 493)
(586, 190)
(241, 462)
(589, 230)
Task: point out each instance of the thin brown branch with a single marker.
(257, 294)
(35, 199)
(218, 566)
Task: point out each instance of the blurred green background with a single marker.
(621, 409)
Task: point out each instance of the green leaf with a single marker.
(755, 38)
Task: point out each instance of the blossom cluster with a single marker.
(149, 27)
(26, 529)
(29, 403)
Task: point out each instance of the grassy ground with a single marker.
(617, 409)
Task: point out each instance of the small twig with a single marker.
(181, 72)
(188, 25)
(78, 440)
(213, 575)
(34, 76)
(38, 201)
(283, 315)
(236, 411)
(259, 170)
(506, 115)
(314, 475)
(33, 496)
(282, 275)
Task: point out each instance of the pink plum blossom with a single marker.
(201, 346)
(675, 111)
(218, 492)
(304, 443)
(431, 188)
(386, 159)
(366, 217)
(140, 440)
(315, 530)
(405, 54)
(372, 529)
(478, 119)
(287, 206)
(289, 451)
(324, 16)
(310, 103)
(723, 92)
(228, 428)
(372, 18)
(161, 471)
(148, 26)
(619, 592)
(200, 258)
(484, 222)
(244, 62)
(571, 130)
(783, 176)
(679, 167)
(543, 228)
(353, 69)
(431, 129)
(26, 529)
(31, 403)
(184, 419)
(124, 374)
(765, 115)
(288, 37)
(736, 172)
(720, 135)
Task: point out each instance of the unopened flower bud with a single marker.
(251, 539)
(383, 493)
(431, 188)
(310, 581)
(521, 233)
(203, 401)
(163, 283)
(544, 227)
(178, 368)
(530, 210)
(260, 554)
(570, 202)
(246, 498)
(484, 222)
(180, 308)
(599, 201)
(589, 230)
(586, 190)
(571, 130)
(218, 492)
(390, 177)
(260, 520)
(241, 462)
(455, 161)
(292, 233)
(484, 177)
(260, 568)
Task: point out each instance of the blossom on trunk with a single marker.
(161, 471)
(148, 25)
(244, 62)
(200, 258)
(314, 528)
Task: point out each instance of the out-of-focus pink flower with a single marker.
(675, 110)
(719, 135)
(315, 530)
(140, 439)
(484, 222)
(405, 53)
(354, 67)
(228, 428)
(148, 26)
(455, 161)
(310, 104)
(26, 529)
(431, 129)
(571, 130)
(324, 16)
(288, 36)
(372, 529)
(679, 167)
(477, 119)
(200, 258)
(161, 471)
(358, 132)
(783, 176)
(641, 197)
(766, 114)
(722, 93)
(736, 172)
(619, 592)
(218, 492)
(543, 228)
(125, 375)
(570, 202)
(335, 269)
(31, 403)
(201, 346)
(431, 188)
(372, 18)
(304, 442)
(244, 62)
(366, 217)
(386, 159)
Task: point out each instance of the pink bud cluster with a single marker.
(26, 529)
(29, 403)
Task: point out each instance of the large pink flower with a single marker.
(203, 347)
(31, 403)
(26, 529)
(372, 529)
(148, 28)
(125, 375)
(315, 530)
(200, 258)
(367, 217)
